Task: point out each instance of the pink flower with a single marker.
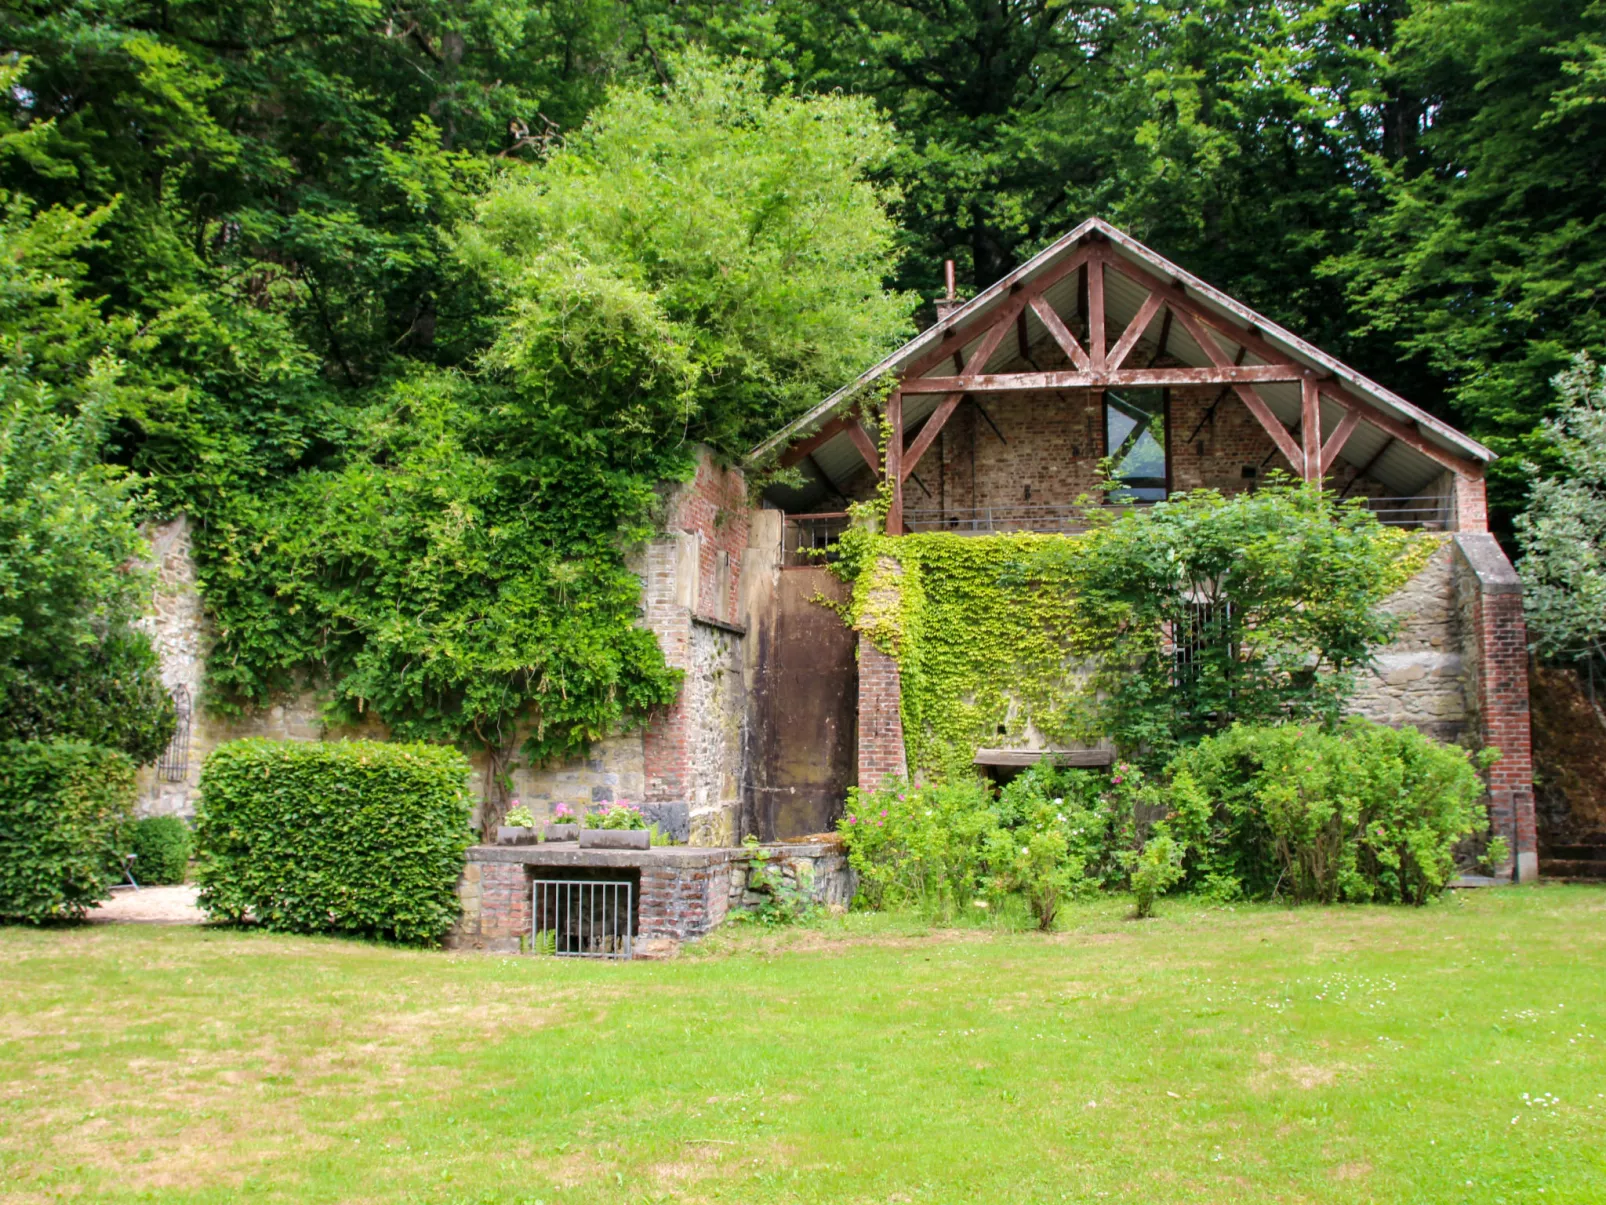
(880, 822)
(1117, 778)
(853, 820)
(883, 812)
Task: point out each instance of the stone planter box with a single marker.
(615, 838)
(562, 832)
(514, 834)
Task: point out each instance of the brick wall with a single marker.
(692, 749)
(881, 752)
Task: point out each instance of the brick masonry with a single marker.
(881, 749)
(684, 892)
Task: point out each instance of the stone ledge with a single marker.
(566, 853)
(1487, 560)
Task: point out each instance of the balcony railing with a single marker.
(809, 538)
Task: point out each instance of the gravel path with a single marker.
(150, 906)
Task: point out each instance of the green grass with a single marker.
(1256, 1054)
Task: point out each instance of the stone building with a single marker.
(1097, 348)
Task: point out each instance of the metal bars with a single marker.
(579, 918)
(174, 764)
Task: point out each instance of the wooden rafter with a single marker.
(1340, 436)
(1061, 334)
(1134, 332)
(867, 446)
(929, 432)
(1095, 312)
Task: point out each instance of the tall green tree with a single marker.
(1485, 265)
(696, 263)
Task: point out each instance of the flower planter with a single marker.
(615, 838)
(514, 834)
(562, 832)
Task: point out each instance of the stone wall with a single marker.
(1421, 679)
(687, 763)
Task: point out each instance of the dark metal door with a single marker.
(805, 705)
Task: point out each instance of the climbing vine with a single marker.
(1071, 636)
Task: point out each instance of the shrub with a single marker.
(63, 809)
(162, 847)
(519, 816)
(352, 837)
(919, 845)
(1362, 812)
(1156, 868)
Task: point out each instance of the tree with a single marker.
(1203, 611)
(1562, 532)
(1484, 266)
(697, 263)
(72, 664)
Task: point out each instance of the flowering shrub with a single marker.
(616, 815)
(919, 845)
(564, 814)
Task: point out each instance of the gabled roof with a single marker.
(1397, 465)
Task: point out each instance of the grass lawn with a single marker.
(1453, 1053)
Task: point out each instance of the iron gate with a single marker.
(578, 918)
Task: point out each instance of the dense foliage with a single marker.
(64, 814)
(1274, 598)
(353, 837)
(162, 846)
(1363, 813)
(72, 664)
(1366, 813)
(1563, 531)
(411, 307)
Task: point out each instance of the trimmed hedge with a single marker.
(162, 847)
(64, 808)
(352, 837)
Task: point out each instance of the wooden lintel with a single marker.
(1134, 331)
(1061, 334)
(1310, 425)
(867, 446)
(1340, 436)
(930, 431)
(1017, 382)
(1279, 433)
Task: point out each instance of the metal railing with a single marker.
(578, 918)
(808, 539)
(1428, 514)
(984, 520)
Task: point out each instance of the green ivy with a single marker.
(1067, 634)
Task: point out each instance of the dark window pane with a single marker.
(1134, 433)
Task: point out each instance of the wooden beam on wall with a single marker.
(1274, 428)
(1095, 312)
(895, 462)
(1019, 382)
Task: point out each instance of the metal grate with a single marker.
(174, 764)
(810, 539)
(1207, 625)
(579, 919)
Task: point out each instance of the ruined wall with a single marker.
(688, 758)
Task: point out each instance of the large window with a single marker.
(1134, 439)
